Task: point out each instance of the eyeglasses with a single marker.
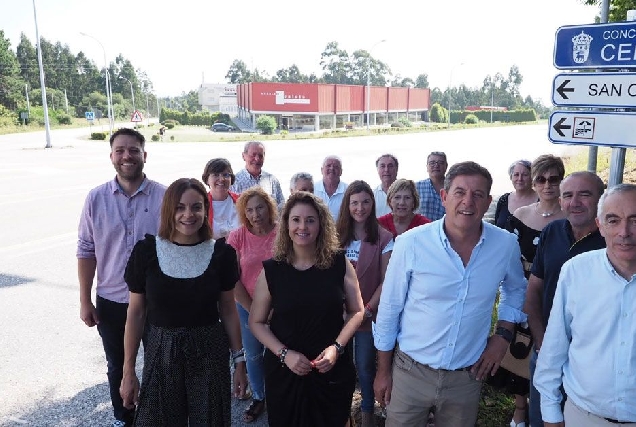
(436, 162)
(223, 175)
(552, 179)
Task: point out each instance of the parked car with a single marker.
(222, 127)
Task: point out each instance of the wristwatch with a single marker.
(339, 349)
(504, 333)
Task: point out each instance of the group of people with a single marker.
(288, 301)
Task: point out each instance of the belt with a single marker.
(464, 369)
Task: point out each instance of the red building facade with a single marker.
(318, 106)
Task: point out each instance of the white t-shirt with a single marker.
(225, 217)
(353, 250)
(381, 207)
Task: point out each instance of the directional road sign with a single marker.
(596, 46)
(89, 115)
(593, 128)
(616, 90)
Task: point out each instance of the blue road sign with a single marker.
(596, 46)
(89, 115)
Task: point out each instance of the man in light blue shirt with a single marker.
(588, 346)
(331, 190)
(434, 315)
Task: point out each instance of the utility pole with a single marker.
(45, 106)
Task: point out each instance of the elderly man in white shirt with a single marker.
(588, 347)
(387, 166)
(330, 189)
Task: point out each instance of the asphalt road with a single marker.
(52, 368)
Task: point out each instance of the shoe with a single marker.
(368, 419)
(514, 424)
(118, 423)
(255, 410)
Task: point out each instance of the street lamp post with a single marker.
(108, 92)
(132, 92)
(450, 81)
(369, 83)
(45, 107)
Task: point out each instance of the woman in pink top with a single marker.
(254, 243)
(403, 199)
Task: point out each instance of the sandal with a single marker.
(255, 410)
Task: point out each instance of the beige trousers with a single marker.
(577, 417)
(417, 388)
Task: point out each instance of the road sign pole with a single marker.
(592, 155)
(617, 163)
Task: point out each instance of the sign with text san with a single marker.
(596, 46)
(603, 89)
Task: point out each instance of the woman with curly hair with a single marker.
(254, 243)
(368, 247)
(309, 373)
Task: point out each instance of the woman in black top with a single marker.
(182, 283)
(309, 373)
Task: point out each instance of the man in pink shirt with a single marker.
(115, 216)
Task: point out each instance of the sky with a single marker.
(182, 44)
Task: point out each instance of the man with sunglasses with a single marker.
(559, 241)
(429, 189)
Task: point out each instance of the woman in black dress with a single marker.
(183, 281)
(523, 194)
(309, 372)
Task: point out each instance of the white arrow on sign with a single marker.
(594, 90)
(593, 128)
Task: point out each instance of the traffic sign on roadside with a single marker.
(136, 117)
(593, 128)
(595, 46)
(616, 90)
(90, 116)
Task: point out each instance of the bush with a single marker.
(438, 114)
(99, 136)
(266, 124)
(405, 122)
(471, 119)
(154, 137)
(64, 119)
(169, 125)
(171, 137)
(397, 125)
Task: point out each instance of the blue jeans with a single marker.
(253, 355)
(534, 408)
(364, 357)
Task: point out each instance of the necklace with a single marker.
(545, 214)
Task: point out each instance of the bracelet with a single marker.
(281, 355)
(505, 334)
(237, 353)
(368, 311)
(238, 360)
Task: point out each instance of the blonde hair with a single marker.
(326, 241)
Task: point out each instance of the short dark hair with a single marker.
(395, 160)
(171, 200)
(130, 132)
(544, 163)
(217, 165)
(466, 168)
(598, 182)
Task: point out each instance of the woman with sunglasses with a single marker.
(523, 193)
(547, 172)
(222, 215)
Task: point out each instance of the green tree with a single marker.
(438, 114)
(28, 59)
(238, 73)
(290, 75)
(11, 85)
(617, 9)
(336, 65)
(422, 81)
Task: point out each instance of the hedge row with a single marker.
(512, 116)
(201, 118)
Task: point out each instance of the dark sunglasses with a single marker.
(552, 179)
